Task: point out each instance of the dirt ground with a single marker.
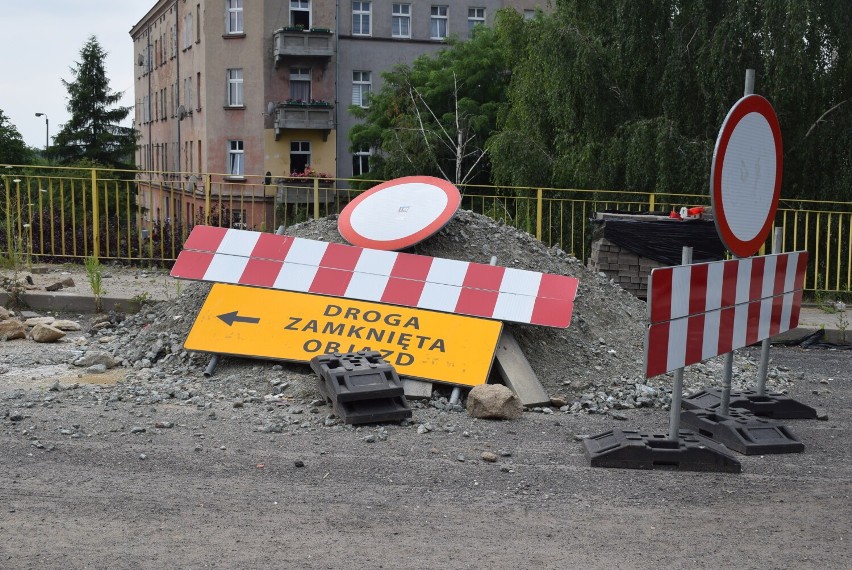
(91, 483)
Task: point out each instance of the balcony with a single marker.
(290, 42)
(304, 116)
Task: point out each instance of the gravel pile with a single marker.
(593, 366)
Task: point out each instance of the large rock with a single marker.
(46, 333)
(493, 401)
(5, 314)
(11, 329)
(93, 357)
(66, 325)
(31, 322)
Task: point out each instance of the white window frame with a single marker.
(361, 156)
(300, 148)
(301, 75)
(362, 12)
(234, 17)
(439, 18)
(300, 6)
(362, 85)
(401, 18)
(235, 87)
(236, 166)
(475, 16)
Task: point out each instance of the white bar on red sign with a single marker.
(682, 290)
(673, 344)
(296, 264)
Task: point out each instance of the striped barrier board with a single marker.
(703, 310)
(309, 266)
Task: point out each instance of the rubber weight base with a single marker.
(630, 449)
(771, 405)
(743, 432)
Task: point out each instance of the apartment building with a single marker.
(248, 92)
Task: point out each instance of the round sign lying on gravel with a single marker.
(745, 178)
(399, 213)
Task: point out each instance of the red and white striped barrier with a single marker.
(707, 309)
(309, 266)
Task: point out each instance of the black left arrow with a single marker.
(232, 317)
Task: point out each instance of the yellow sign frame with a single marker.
(284, 325)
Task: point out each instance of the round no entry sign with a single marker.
(745, 178)
(399, 213)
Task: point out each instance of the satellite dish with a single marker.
(181, 112)
(399, 213)
(270, 108)
(141, 60)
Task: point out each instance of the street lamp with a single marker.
(46, 130)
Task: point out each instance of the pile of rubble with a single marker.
(595, 365)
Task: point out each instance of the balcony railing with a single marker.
(298, 43)
(319, 117)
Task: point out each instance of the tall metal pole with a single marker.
(764, 346)
(46, 130)
(677, 389)
(725, 404)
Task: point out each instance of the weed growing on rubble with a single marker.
(95, 273)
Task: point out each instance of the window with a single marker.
(401, 21)
(361, 86)
(236, 158)
(300, 83)
(300, 13)
(187, 31)
(361, 162)
(235, 87)
(238, 219)
(529, 14)
(187, 93)
(438, 23)
(361, 18)
(475, 16)
(234, 18)
(300, 156)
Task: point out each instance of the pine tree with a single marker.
(13, 150)
(93, 134)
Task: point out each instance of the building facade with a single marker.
(250, 92)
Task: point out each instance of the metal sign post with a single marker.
(677, 389)
(764, 346)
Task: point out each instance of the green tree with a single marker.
(631, 95)
(12, 147)
(433, 117)
(93, 133)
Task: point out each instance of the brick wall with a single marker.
(623, 266)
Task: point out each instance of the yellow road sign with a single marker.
(268, 323)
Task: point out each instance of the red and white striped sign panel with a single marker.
(707, 309)
(308, 266)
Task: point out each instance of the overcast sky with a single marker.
(41, 42)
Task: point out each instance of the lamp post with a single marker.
(46, 130)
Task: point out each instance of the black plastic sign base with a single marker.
(743, 432)
(358, 376)
(361, 387)
(771, 405)
(630, 449)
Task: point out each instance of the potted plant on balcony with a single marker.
(319, 103)
(320, 30)
(306, 178)
(296, 28)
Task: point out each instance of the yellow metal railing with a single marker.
(61, 214)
